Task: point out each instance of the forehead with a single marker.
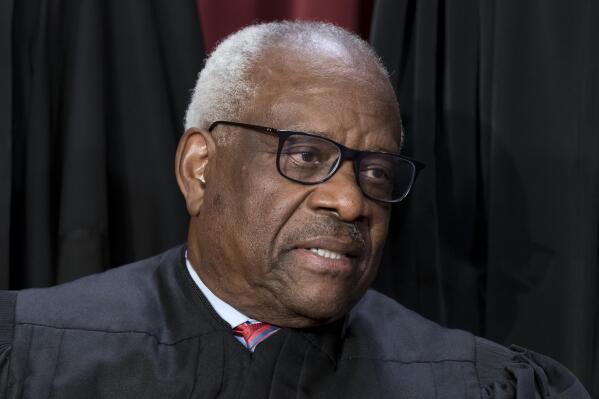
(351, 105)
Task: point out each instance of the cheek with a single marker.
(258, 209)
(268, 208)
(378, 229)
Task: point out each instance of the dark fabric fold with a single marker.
(99, 89)
(517, 372)
(145, 330)
(500, 236)
(7, 322)
(8, 301)
(6, 132)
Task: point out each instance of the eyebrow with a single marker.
(304, 129)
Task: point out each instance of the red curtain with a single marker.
(220, 18)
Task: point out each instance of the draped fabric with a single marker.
(92, 100)
(220, 18)
(5, 135)
(500, 99)
(146, 331)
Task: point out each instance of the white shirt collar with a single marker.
(227, 312)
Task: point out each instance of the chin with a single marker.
(314, 310)
(309, 320)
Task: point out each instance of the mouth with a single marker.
(333, 247)
(325, 253)
(329, 255)
(324, 262)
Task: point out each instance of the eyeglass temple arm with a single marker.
(261, 129)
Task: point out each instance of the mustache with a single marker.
(329, 227)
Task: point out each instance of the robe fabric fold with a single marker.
(146, 330)
(91, 111)
(500, 235)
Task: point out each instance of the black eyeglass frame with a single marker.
(346, 154)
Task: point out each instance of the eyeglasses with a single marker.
(310, 159)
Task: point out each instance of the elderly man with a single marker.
(289, 166)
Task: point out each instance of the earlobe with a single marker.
(196, 149)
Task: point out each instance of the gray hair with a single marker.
(223, 86)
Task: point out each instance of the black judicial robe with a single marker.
(145, 331)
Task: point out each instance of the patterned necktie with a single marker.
(253, 334)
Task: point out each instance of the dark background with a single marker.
(500, 99)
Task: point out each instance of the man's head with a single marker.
(280, 251)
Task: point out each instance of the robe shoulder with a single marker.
(516, 372)
(140, 297)
(144, 315)
(380, 328)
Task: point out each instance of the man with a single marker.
(289, 165)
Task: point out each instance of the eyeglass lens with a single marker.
(385, 177)
(309, 159)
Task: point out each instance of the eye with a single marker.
(376, 173)
(308, 156)
(305, 155)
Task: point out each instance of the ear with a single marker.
(196, 149)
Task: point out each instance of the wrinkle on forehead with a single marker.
(372, 132)
(327, 76)
(338, 108)
(323, 59)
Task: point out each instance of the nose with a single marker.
(340, 194)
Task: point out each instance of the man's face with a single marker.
(279, 251)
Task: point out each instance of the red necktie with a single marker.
(253, 334)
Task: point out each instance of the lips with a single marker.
(334, 248)
(325, 253)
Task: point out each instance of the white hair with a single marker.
(224, 87)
